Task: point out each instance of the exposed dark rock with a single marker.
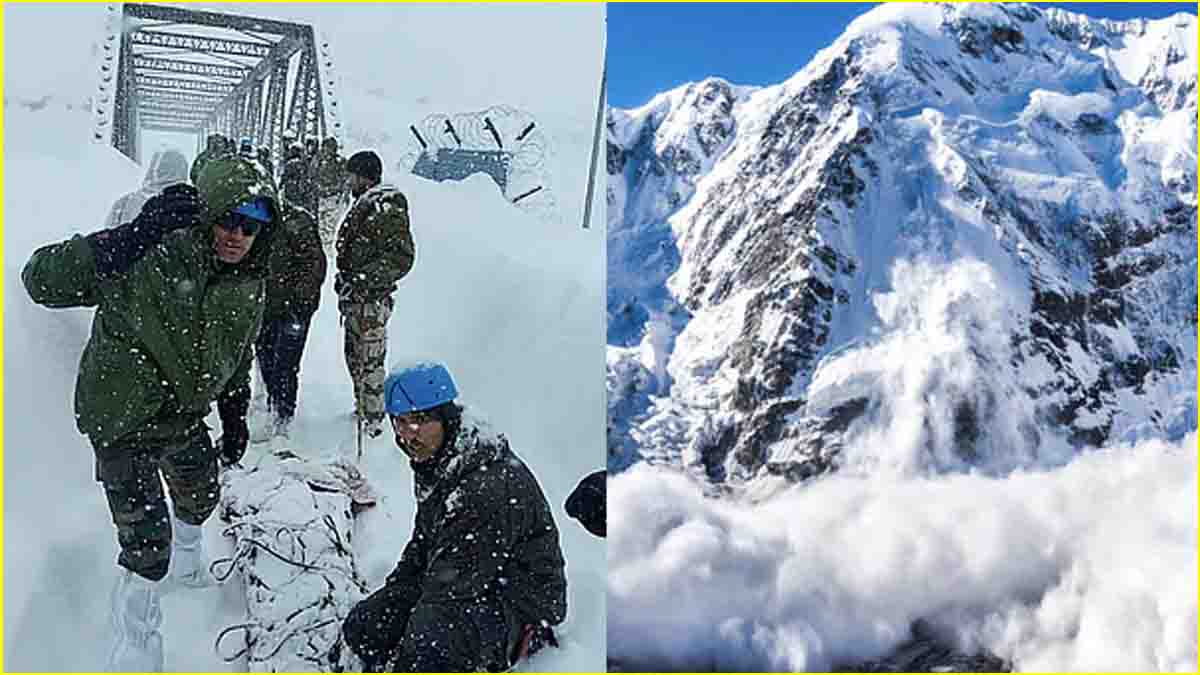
(926, 652)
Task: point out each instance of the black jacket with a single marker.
(482, 525)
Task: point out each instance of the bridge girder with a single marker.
(205, 86)
(166, 95)
(237, 83)
(201, 44)
(190, 67)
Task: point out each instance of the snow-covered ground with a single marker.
(837, 365)
(509, 301)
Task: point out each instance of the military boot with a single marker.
(136, 618)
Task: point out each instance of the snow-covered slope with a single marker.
(755, 235)
(868, 328)
(507, 300)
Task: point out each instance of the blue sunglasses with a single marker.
(237, 221)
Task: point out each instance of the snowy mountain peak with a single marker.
(759, 240)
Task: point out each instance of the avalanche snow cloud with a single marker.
(910, 336)
(1088, 567)
(507, 300)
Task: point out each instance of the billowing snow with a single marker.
(890, 229)
(508, 301)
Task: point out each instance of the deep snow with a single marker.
(1053, 556)
(509, 301)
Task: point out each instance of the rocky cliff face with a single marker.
(962, 236)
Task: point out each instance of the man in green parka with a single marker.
(179, 294)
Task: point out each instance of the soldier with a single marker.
(331, 186)
(374, 251)
(297, 272)
(312, 155)
(215, 147)
(481, 581)
(179, 293)
(296, 181)
(264, 158)
(167, 167)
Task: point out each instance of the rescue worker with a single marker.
(375, 251)
(179, 297)
(480, 583)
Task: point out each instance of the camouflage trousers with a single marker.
(366, 351)
(130, 477)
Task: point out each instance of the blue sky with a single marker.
(653, 47)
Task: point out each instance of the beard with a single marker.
(414, 449)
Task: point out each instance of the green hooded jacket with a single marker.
(172, 333)
(298, 266)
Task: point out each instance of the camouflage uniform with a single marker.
(296, 182)
(144, 385)
(331, 187)
(138, 506)
(374, 251)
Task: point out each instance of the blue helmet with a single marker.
(417, 388)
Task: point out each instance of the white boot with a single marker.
(283, 428)
(136, 618)
(262, 427)
(258, 404)
(189, 562)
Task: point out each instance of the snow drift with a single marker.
(506, 300)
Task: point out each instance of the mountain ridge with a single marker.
(754, 232)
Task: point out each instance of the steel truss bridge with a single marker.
(195, 72)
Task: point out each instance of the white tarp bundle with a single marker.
(292, 521)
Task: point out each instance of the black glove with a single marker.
(586, 503)
(340, 287)
(118, 248)
(235, 433)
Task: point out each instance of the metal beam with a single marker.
(196, 43)
(177, 111)
(161, 95)
(216, 19)
(170, 128)
(190, 67)
(170, 120)
(318, 92)
(161, 115)
(124, 127)
(276, 89)
(268, 67)
(206, 86)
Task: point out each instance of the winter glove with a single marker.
(235, 433)
(117, 249)
(340, 287)
(586, 503)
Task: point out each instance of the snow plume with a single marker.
(507, 301)
(937, 386)
(1047, 568)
